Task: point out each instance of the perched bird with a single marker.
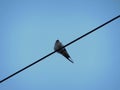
(63, 51)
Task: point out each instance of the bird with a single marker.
(62, 51)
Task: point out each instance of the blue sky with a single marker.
(29, 29)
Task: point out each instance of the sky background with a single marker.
(29, 29)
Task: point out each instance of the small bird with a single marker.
(63, 51)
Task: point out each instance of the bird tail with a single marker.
(70, 60)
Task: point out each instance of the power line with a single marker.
(59, 49)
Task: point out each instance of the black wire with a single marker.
(58, 49)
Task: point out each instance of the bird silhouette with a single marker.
(62, 51)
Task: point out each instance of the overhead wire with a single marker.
(8, 77)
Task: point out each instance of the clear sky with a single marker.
(29, 29)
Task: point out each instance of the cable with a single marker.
(59, 49)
